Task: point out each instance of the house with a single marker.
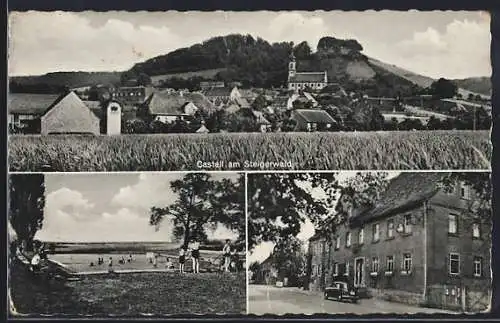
(222, 95)
(66, 113)
(418, 244)
(312, 120)
(132, 95)
(25, 109)
(264, 124)
(167, 108)
(303, 97)
(69, 114)
(302, 80)
(267, 274)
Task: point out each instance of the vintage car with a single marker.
(342, 291)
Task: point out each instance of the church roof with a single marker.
(310, 77)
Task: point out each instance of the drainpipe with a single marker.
(425, 250)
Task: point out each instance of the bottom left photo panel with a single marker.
(127, 244)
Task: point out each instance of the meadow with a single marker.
(233, 151)
(130, 294)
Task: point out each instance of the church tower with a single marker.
(113, 118)
(292, 68)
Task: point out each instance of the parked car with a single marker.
(342, 291)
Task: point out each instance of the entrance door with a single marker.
(358, 272)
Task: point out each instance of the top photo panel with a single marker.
(209, 91)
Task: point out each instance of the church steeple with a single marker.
(292, 66)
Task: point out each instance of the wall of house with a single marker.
(318, 266)
(396, 246)
(69, 118)
(168, 118)
(445, 287)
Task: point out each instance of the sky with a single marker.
(434, 43)
(111, 207)
(263, 250)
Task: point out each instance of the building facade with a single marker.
(131, 95)
(418, 245)
(303, 80)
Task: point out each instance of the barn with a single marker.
(69, 114)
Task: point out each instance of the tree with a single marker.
(27, 201)
(443, 88)
(260, 103)
(433, 123)
(278, 205)
(302, 50)
(229, 206)
(289, 258)
(200, 203)
(144, 79)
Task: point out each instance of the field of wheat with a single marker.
(253, 151)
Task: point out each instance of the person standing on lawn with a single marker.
(226, 253)
(195, 255)
(182, 259)
(110, 264)
(155, 261)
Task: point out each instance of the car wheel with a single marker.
(339, 298)
(326, 296)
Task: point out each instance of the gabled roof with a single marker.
(200, 101)
(315, 115)
(160, 103)
(218, 91)
(242, 102)
(259, 116)
(403, 192)
(69, 99)
(309, 77)
(27, 103)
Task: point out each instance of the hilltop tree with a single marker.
(443, 88)
(27, 200)
(302, 50)
(199, 203)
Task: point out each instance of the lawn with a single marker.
(131, 294)
(298, 151)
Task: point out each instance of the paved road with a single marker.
(272, 300)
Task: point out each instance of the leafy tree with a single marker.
(443, 88)
(135, 126)
(289, 259)
(27, 201)
(433, 123)
(302, 50)
(144, 79)
(199, 203)
(278, 205)
(260, 103)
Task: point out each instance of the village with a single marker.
(421, 247)
(309, 102)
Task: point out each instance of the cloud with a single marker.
(122, 225)
(41, 42)
(70, 202)
(150, 190)
(461, 50)
(297, 27)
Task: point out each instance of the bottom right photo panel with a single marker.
(369, 242)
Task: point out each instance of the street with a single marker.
(265, 299)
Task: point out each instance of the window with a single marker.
(454, 264)
(452, 224)
(361, 236)
(336, 269)
(376, 232)
(407, 262)
(348, 239)
(375, 264)
(407, 223)
(313, 270)
(464, 191)
(389, 263)
(390, 229)
(337, 243)
(478, 266)
(476, 230)
(346, 273)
